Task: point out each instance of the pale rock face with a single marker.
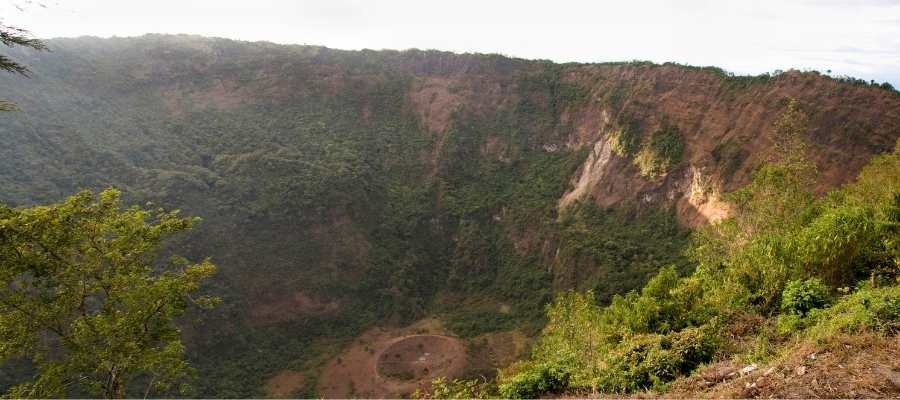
(696, 193)
(702, 195)
(592, 172)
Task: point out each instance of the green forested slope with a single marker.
(797, 268)
(319, 177)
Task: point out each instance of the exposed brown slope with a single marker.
(722, 120)
(714, 114)
(183, 142)
(848, 124)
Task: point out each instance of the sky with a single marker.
(860, 38)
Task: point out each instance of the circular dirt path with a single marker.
(419, 359)
(383, 364)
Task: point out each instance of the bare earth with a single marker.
(844, 367)
(393, 363)
(284, 384)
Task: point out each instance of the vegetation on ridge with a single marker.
(818, 266)
(338, 195)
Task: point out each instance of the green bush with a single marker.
(791, 323)
(645, 362)
(667, 303)
(868, 309)
(664, 151)
(642, 340)
(747, 265)
(535, 381)
(626, 141)
(442, 388)
(668, 144)
(729, 155)
(801, 296)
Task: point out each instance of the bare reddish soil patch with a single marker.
(435, 102)
(392, 363)
(421, 358)
(284, 384)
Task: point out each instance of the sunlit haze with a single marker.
(858, 38)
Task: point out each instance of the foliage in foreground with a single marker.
(84, 298)
(12, 36)
(802, 296)
(443, 388)
(783, 254)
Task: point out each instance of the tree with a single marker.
(790, 139)
(750, 253)
(782, 187)
(85, 298)
(12, 36)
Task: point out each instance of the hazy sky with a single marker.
(859, 38)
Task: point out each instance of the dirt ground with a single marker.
(844, 367)
(284, 384)
(421, 358)
(490, 351)
(393, 363)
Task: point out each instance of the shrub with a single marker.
(868, 309)
(729, 155)
(791, 323)
(668, 144)
(642, 340)
(441, 388)
(626, 140)
(666, 303)
(644, 362)
(801, 296)
(571, 336)
(649, 163)
(664, 151)
(536, 380)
